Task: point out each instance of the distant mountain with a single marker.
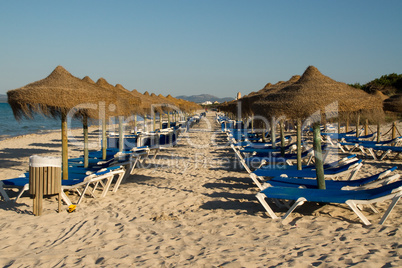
(203, 97)
(3, 98)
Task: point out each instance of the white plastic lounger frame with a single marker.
(353, 204)
(104, 179)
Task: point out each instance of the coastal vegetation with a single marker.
(389, 84)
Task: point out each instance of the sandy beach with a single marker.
(190, 206)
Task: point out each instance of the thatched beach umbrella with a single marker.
(149, 105)
(134, 106)
(169, 106)
(54, 96)
(127, 105)
(162, 107)
(247, 102)
(313, 93)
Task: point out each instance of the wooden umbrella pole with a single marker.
(135, 124)
(393, 132)
(282, 137)
(378, 132)
(273, 134)
(160, 120)
(299, 149)
(347, 125)
(104, 142)
(168, 119)
(145, 123)
(64, 146)
(252, 123)
(319, 163)
(154, 122)
(121, 134)
(85, 130)
(357, 125)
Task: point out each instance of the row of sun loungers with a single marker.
(283, 184)
(378, 150)
(104, 175)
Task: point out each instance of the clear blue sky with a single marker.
(191, 47)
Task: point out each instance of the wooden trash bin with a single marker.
(44, 179)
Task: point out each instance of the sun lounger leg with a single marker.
(118, 182)
(137, 159)
(395, 200)
(107, 185)
(310, 159)
(3, 193)
(354, 172)
(255, 180)
(353, 206)
(385, 154)
(25, 188)
(65, 198)
(83, 193)
(372, 153)
(300, 201)
(341, 147)
(260, 197)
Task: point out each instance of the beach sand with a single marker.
(188, 207)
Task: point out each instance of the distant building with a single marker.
(238, 96)
(216, 102)
(206, 103)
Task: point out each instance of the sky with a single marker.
(191, 47)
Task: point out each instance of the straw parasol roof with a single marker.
(147, 103)
(168, 103)
(55, 96)
(393, 104)
(126, 104)
(88, 80)
(313, 92)
(248, 101)
(380, 95)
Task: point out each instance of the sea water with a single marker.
(10, 127)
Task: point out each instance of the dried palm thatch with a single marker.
(55, 95)
(393, 104)
(88, 80)
(312, 93)
(169, 105)
(380, 95)
(126, 103)
(315, 91)
(247, 102)
(179, 103)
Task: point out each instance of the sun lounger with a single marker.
(103, 177)
(380, 152)
(368, 148)
(381, 178)
(343, 167)
(352, 198)
(348, 171)
(82, 186)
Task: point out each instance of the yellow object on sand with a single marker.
(71, 208)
